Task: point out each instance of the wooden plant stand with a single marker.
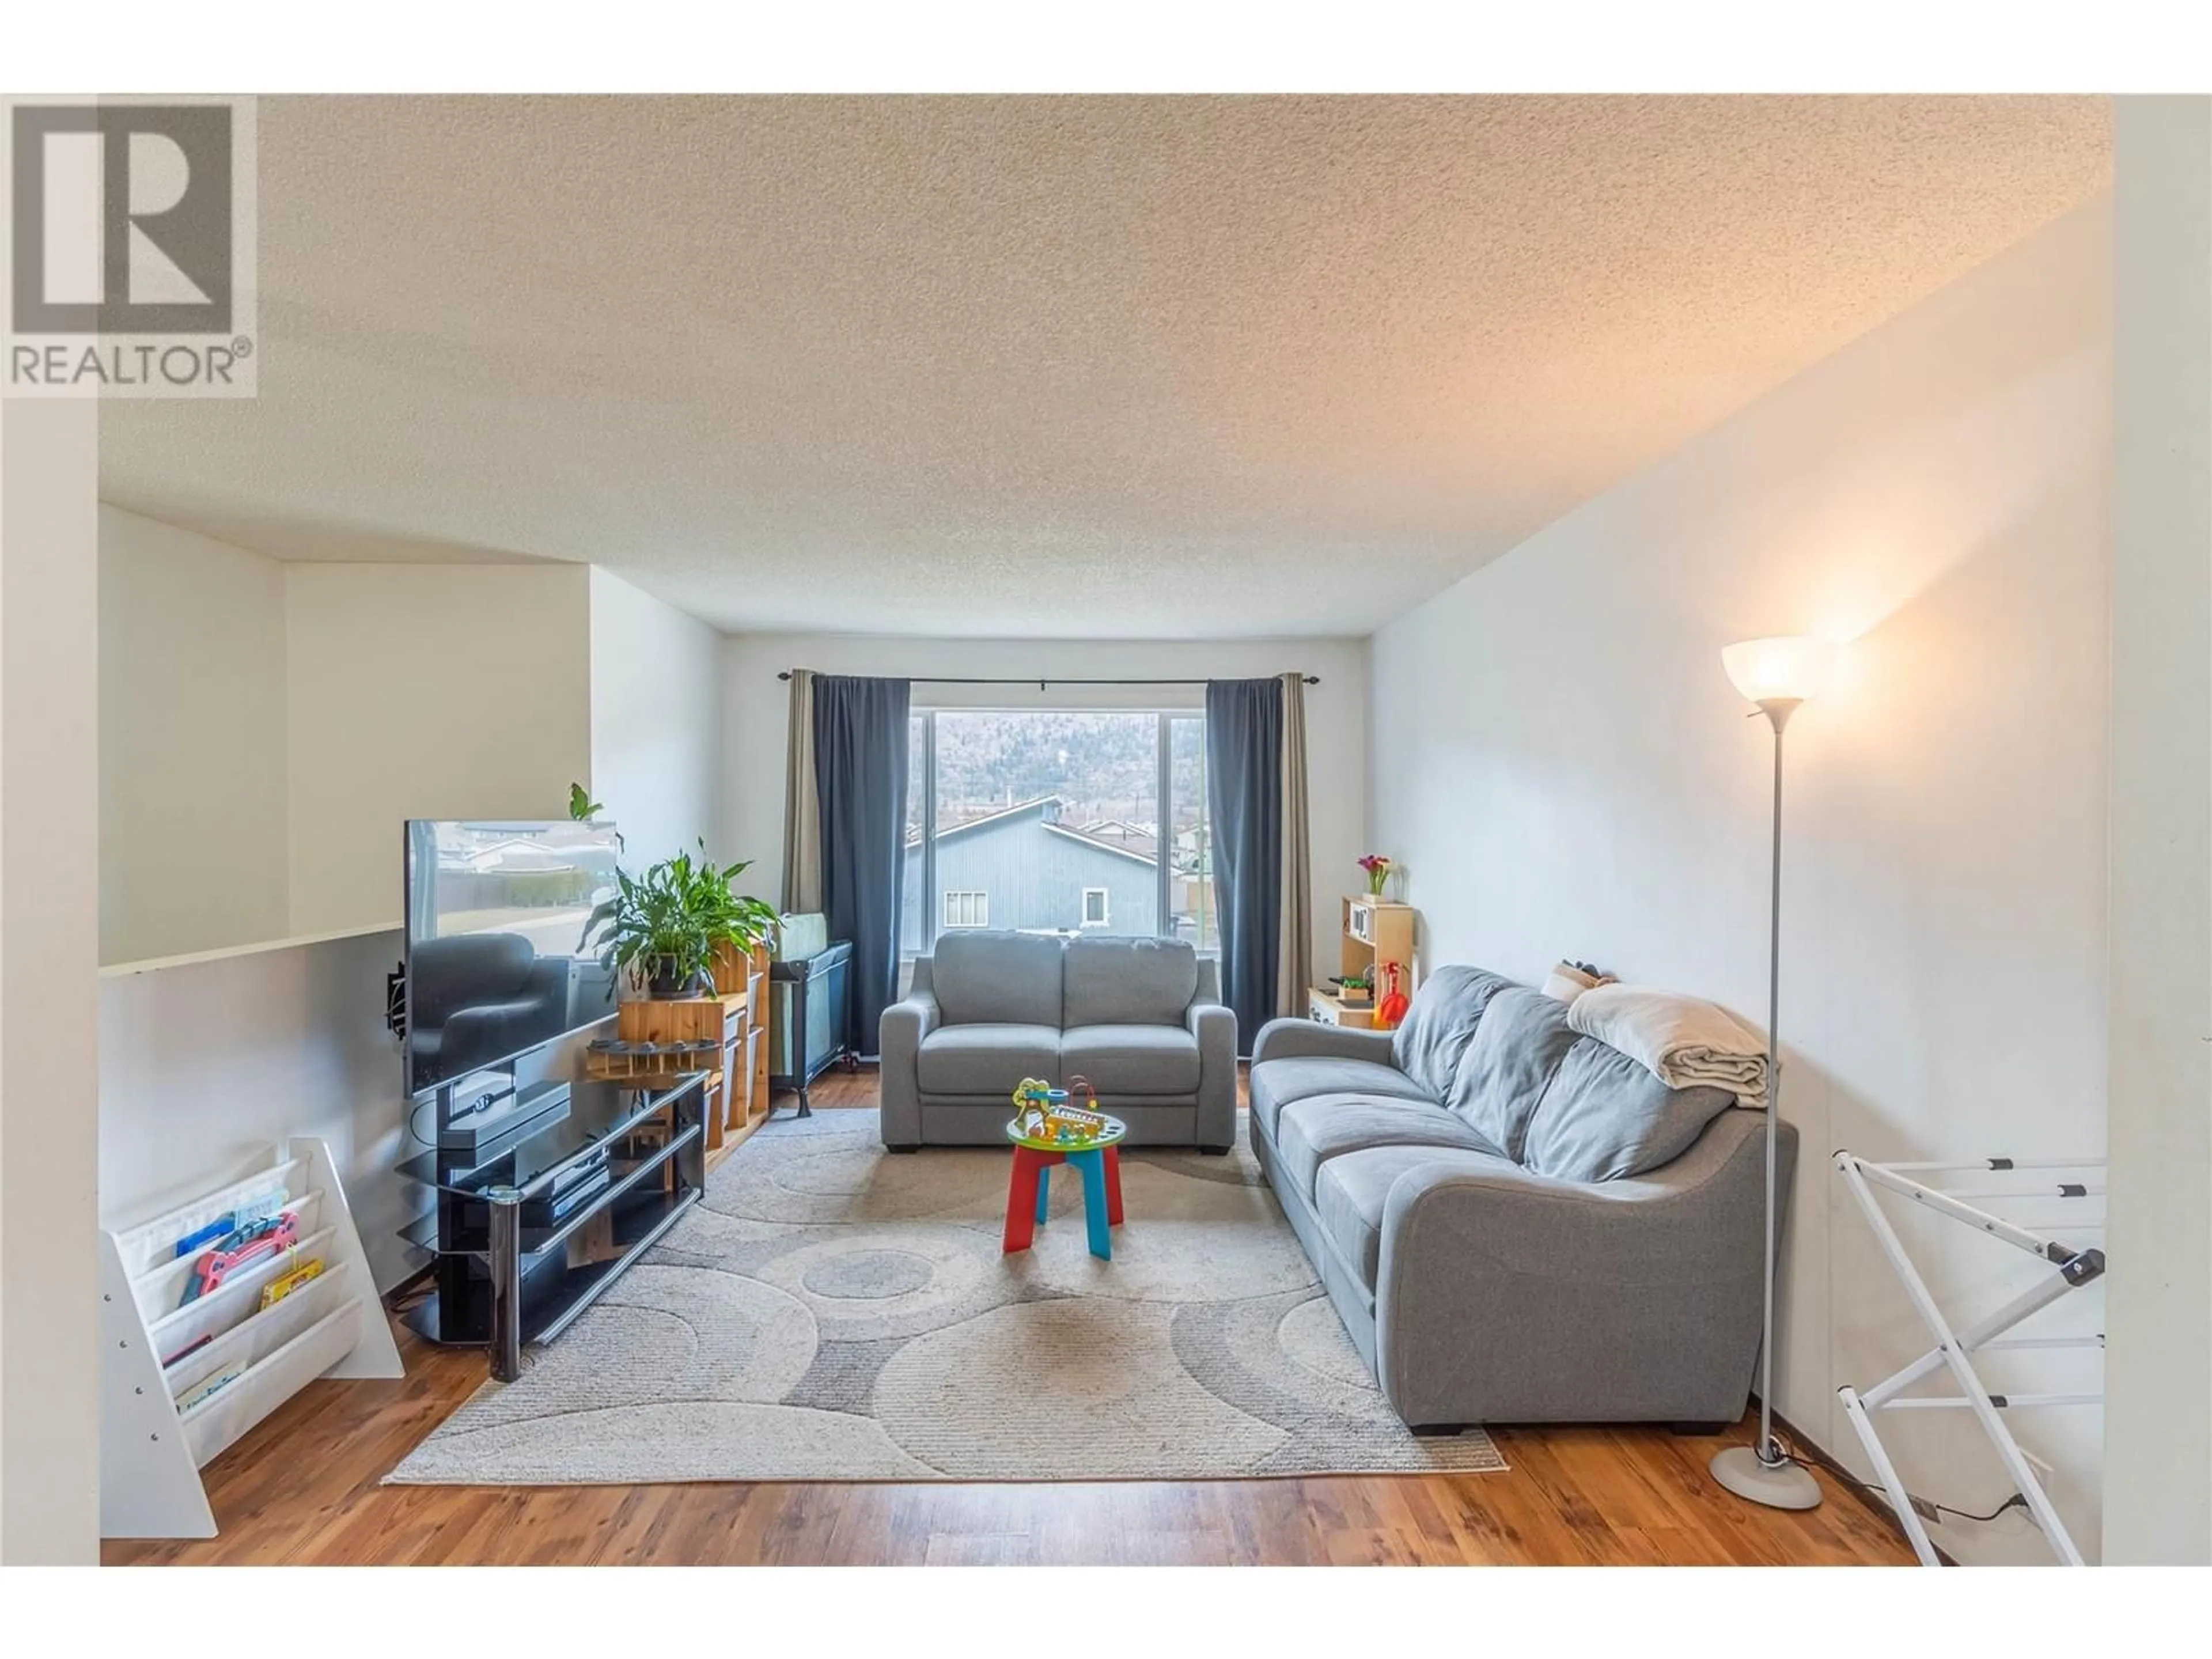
(724, 1035)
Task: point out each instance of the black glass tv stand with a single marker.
(529, 1234)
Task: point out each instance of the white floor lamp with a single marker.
(1776, 674)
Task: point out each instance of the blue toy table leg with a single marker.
(1093, 1165)
(1044, 1193)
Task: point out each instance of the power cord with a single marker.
(1929, 1510)
(1926, 1507)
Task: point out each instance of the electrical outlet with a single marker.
(2044, 1472)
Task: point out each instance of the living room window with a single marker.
(1036, 807)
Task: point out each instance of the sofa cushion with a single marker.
(1130, 1059)
(997, 978)
(1351, 1190)
(1521, 1040)
(1606, 1116)
(1128, 981)
(1276, 1082)
(1438, 1025)
(987, 1059)
(1311, 1132)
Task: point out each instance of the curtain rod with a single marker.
(1020, 680)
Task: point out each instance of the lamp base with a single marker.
(1779, 1486)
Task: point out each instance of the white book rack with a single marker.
(2072, 1267)
(151, 1450)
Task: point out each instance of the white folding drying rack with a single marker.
(2072, 1268)
(151, 1451)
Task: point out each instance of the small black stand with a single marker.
(816, 997)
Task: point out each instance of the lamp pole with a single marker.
(1765, 1474)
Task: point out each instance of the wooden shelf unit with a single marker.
(1374, 931)
(735, 1021)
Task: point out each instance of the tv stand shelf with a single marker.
(529, 1234)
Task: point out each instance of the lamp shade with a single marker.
(1787, 669)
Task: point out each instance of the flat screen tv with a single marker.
(495, 914)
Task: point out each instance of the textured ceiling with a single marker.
(1073, 367)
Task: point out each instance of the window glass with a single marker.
(1190, 857)
(1051, 821)
(915, 904)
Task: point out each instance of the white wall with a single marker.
(656, 720)
(193, 854)
(436, 691)
(49, 932)
(1564, 769)
(756, 713)
(2158, 1475)
(222, 669)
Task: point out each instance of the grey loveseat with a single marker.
(1518, 1224)
(1141, 1019)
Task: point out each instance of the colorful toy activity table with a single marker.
(1097, 1160)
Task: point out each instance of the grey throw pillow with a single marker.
(1521, 1040)
(1606, 1117)
(1437, 1027)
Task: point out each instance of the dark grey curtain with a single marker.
(859, 774)
(1244, 790)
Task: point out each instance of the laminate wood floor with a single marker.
(302, 1488)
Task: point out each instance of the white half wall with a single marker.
(203, 1065)
(193, 808)
(756, 707)
(1566, 772)
(426, 691)
(656, 721)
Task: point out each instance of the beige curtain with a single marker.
(1295, 959)
(802, 804)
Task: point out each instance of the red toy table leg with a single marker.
(1113, 1185)
(1021, 1199)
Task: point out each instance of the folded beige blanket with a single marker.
(1681, 1040)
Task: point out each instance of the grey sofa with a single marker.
(1141, 1019)
(1518, 1224)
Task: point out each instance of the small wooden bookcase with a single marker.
(181, 1380)
(1374, 933)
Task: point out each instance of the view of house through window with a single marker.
(1057, 821)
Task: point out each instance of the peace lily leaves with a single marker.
(664, 927)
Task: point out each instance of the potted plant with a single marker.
(663, 928)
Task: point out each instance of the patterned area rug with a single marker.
(831, 1312)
